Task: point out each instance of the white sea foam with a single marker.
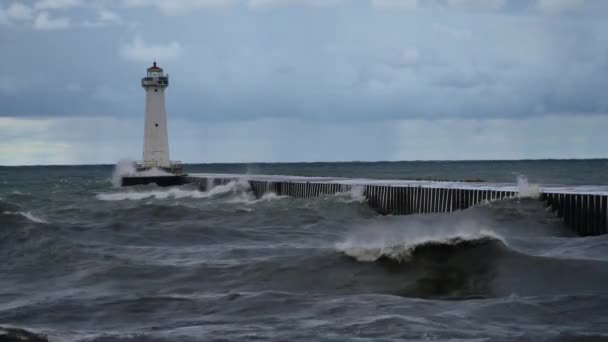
(271, 196)
(243, 195)
(160, 194)
(527, 190)
(235, 187)
(27, 215)
(267, 197)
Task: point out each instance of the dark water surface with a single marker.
(83, 261)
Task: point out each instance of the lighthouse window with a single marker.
(155, 90)
(156, 125)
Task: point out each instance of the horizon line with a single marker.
(337, 162)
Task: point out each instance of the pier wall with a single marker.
(586, 214)
(385, 199)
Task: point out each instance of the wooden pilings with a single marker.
(586, 214)
(389, 200)
(385, 199)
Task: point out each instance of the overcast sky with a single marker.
(305, 80)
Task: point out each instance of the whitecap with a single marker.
(402, 251)
(27, 215)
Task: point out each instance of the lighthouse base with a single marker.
(175, 168)
(169, 180)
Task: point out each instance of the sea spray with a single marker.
(527, 190)
(124, 167)
(210, 183)
(356, 194)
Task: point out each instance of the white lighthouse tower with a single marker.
(156, 140)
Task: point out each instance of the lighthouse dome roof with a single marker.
(154, 68)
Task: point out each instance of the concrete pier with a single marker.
(584, 209)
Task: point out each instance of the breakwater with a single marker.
(583, 209)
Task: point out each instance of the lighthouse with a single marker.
(156, 139)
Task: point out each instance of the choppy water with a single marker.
(82, 261)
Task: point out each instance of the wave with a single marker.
(8, 206)
(404, 251)
(26, 215)
(18, 334)
(234, 187)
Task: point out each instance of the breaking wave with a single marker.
(239, 192)
(403, 251)
(234, 187)
(136, 196)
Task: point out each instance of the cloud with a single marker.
(178, 6)
(58, 4)
(109, 16)
(558, 6)
(9, 85)
(73, 87)
(39, 16)
(15, 13)
(456, 79)
(44, 22)
(19, 12)
(395, 4)
(104, 18)
(453, 32)
(321, 63)
(482, 5)
(140, 51)
(409, 57)
(269, 3)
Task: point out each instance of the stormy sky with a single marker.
(305, 80)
